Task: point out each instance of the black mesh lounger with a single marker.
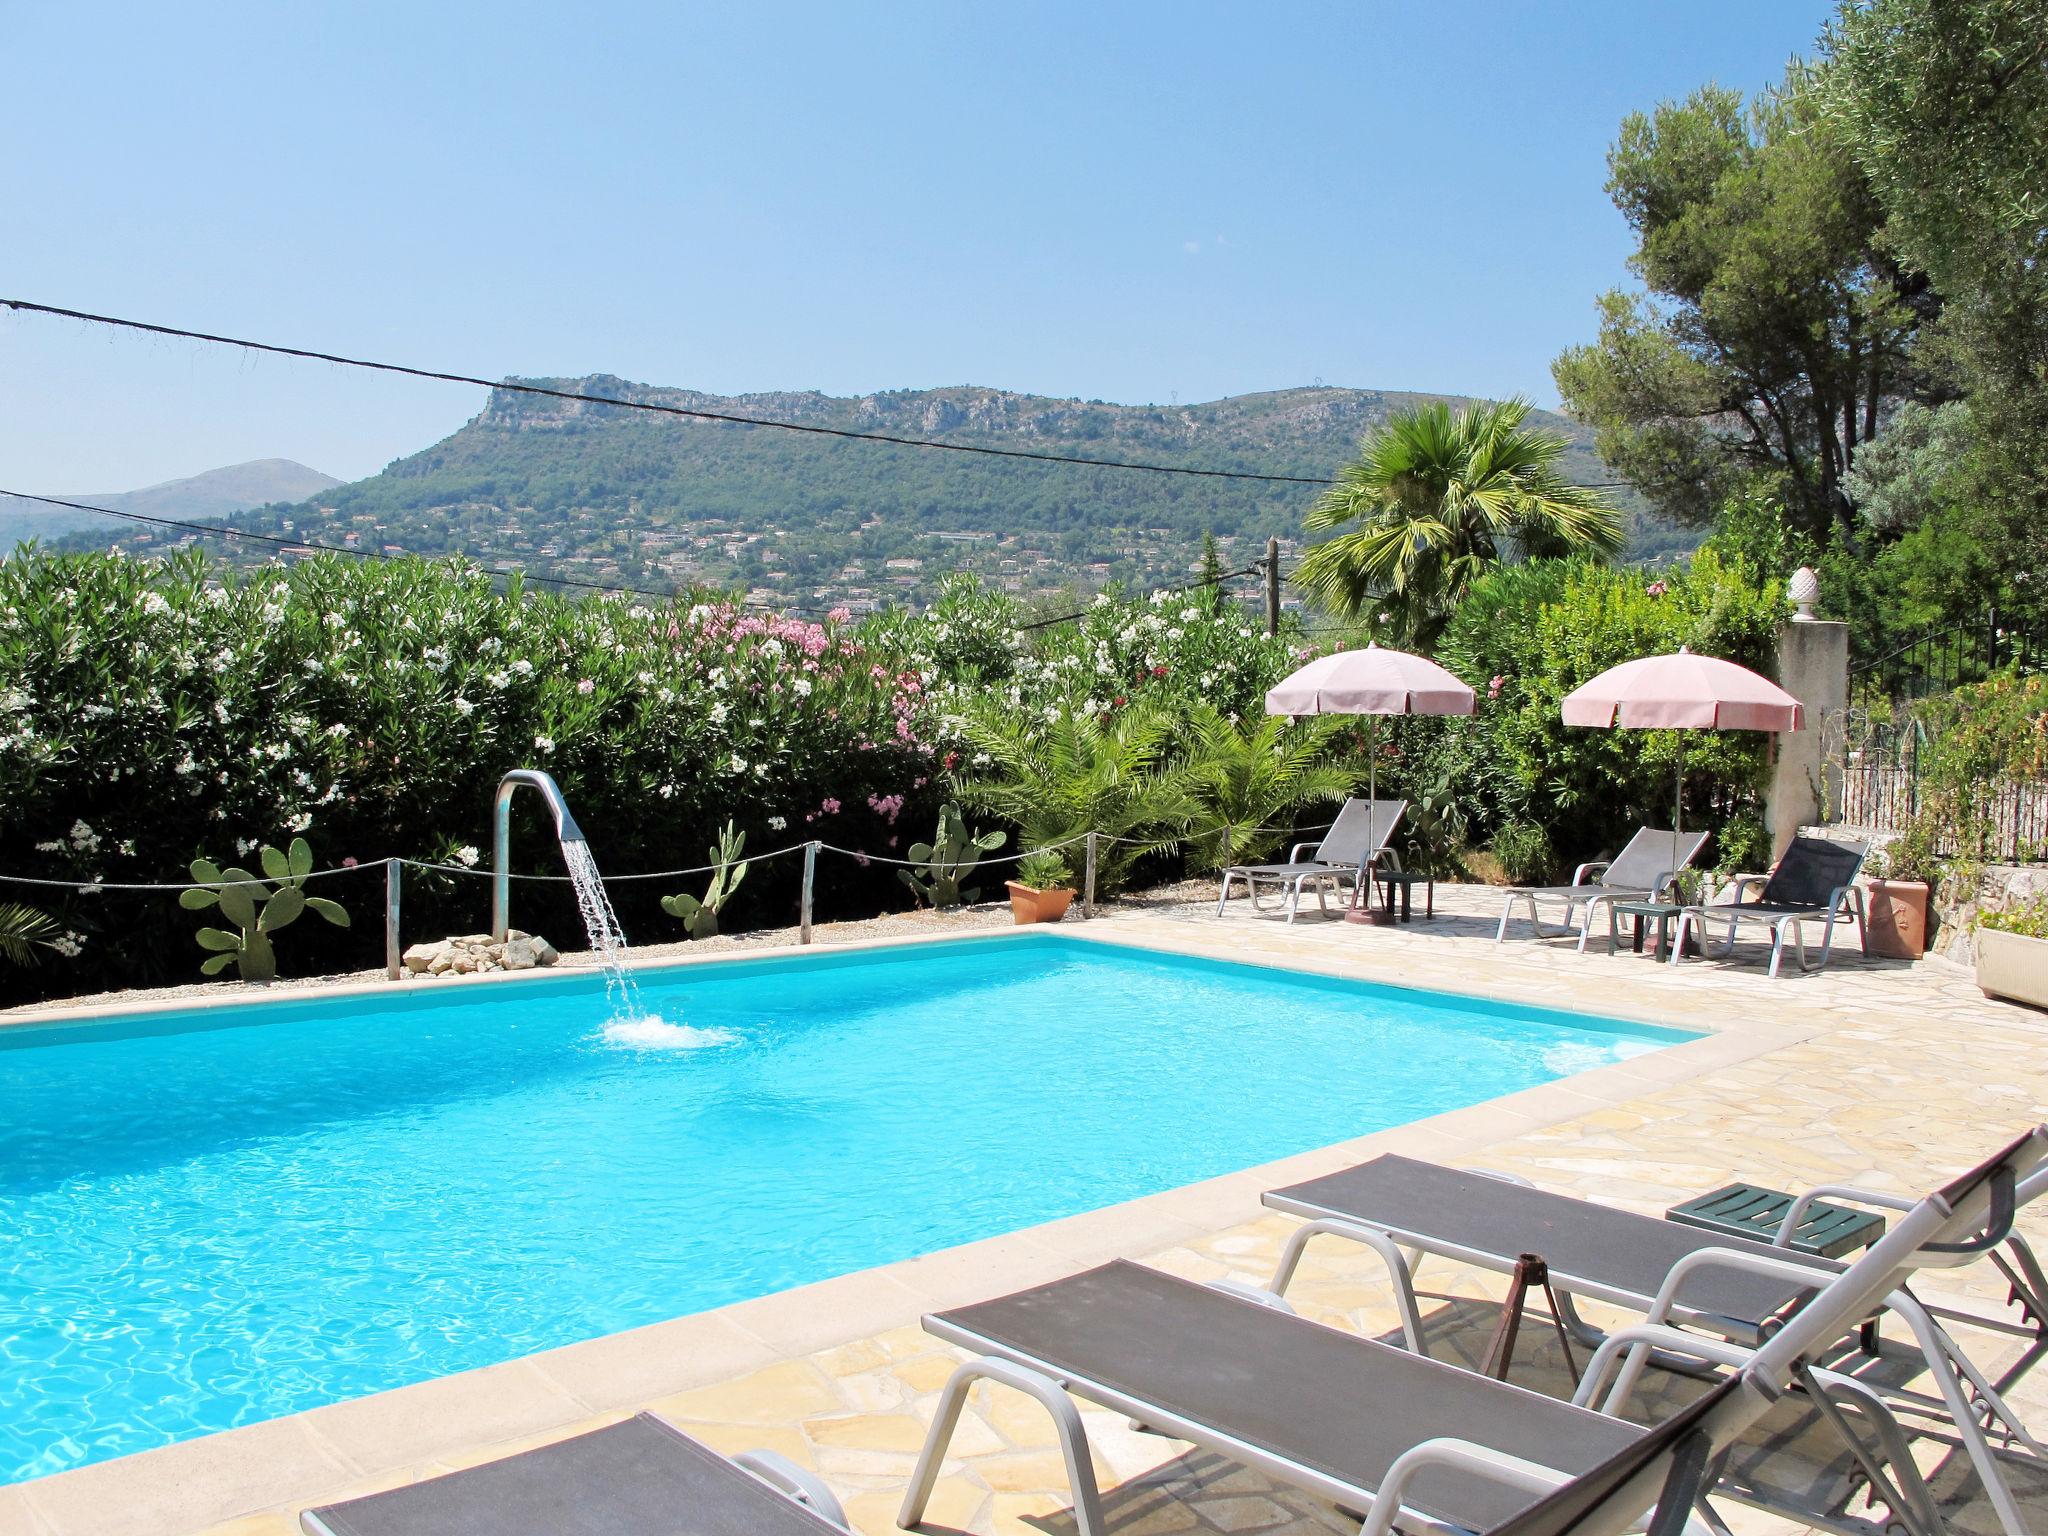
(1413, 1440)
(1593, 1250)
(1815, 882)
(1327, 1411)
(638, 1478)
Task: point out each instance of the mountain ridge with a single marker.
(594, 490)
(210, 494)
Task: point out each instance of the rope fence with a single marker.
(395, 865)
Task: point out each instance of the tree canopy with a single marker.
(1944, 107)
(1777, 325)
(1435, 500)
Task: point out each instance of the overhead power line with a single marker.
(26, 307)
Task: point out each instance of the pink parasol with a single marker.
(1370, 682)
(1682, 692)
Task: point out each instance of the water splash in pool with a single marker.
(653, 1033)
(602, 924)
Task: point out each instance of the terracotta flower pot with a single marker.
(1898, 918)
(1029, 904)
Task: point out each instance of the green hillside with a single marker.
(569, 488)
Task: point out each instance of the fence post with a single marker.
(1088, 880)
(1273, 586)
(804, 907)
(394, 876)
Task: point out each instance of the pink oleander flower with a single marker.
(586, 686)
(1493, 688)
(1657, 589)
(829, 806)
(840, 615)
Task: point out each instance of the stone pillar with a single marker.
(1813, 666)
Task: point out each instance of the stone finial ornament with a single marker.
(1804, 590)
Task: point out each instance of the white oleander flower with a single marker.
(467, 855)
(544, 743)
(463, 707)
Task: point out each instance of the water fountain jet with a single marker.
(599, 920)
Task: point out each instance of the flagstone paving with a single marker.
(1876, 1073)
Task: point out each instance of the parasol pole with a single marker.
(1677, 804)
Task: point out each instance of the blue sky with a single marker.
(1136, 202)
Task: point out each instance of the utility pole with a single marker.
(1273, 586)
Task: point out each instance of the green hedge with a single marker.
(152, 712)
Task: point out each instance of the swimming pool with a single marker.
(215, 1216)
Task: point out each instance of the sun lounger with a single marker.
(638, 1478)
(1407, 1439)
(1670, 1273)
(1815, 881)
(1640, 872)
(1354, 846)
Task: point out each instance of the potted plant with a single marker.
(2012, 953)
(1898, 879)
(1040, 893)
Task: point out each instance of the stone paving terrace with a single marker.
(1876, 1073)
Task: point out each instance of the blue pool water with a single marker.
(214, 1217)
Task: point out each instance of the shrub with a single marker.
(1524, 852)
(2029, 920)
(1057, 780)
(1529, 635)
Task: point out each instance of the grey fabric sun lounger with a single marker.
(1815, 882)
(1593, 1250)
(1409, 1440)
(1735, 1289)
(1304, 1403)
(638, 1478)
(1354, 846)
(1640, 872)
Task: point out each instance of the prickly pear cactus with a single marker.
(256, 907)
(950, 857)
(700, 916)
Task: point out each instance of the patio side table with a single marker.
(1391, 880)
(1665, 913)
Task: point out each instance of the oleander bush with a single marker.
(157, 712)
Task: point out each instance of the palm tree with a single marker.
(24, 930)
(1435, 500)
(1058, 779)
(1246, 778)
